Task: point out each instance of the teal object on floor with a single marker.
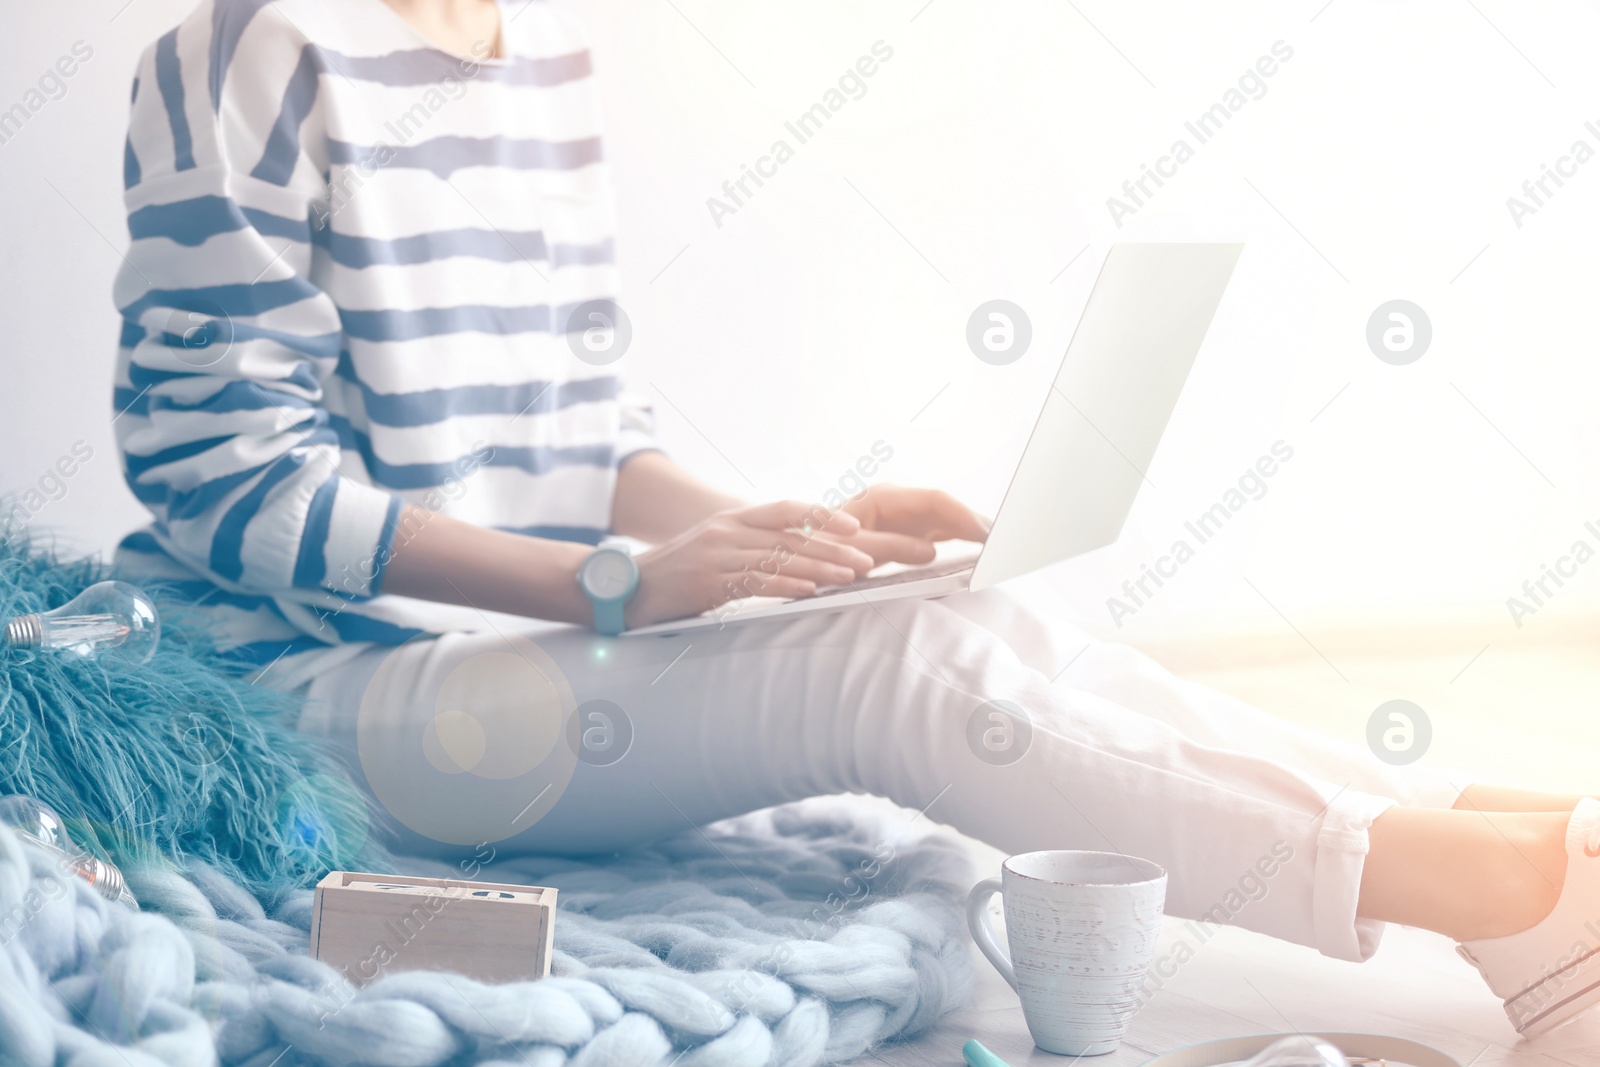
(177, 757)
(979, 1056)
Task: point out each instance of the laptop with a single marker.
(1084, 463)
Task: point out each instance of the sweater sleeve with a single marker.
(227, 344)
(638, 426)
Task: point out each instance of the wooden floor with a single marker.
(1504, 707)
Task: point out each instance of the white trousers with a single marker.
(560, 741)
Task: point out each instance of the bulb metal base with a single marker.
(106, 878)
(24, 631)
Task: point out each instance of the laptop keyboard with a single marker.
(940, 569)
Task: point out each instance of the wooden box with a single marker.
(368, 925)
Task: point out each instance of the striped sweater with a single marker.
(362, 272)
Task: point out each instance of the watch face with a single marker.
(607, 574)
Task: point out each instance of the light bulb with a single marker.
(106, 617)
(38, 824)
(1298, 1050)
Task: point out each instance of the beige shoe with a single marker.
(1550, 973)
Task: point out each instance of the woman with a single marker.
(368, 240)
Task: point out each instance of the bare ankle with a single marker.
(1525, 865)
(1469, 875)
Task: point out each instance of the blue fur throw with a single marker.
(179, 758)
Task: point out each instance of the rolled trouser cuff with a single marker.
(1342, 846)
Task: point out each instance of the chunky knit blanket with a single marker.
(803, 935)
(800, 936)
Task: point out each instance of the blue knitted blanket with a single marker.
(803, 935)
(800, 936)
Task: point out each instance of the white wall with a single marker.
(805, 327)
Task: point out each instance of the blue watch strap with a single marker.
(609, 617)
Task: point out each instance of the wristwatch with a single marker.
(609, 578)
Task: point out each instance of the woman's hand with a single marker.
(777, 549)
(901, 525)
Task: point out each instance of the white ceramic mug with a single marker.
(1082, 927)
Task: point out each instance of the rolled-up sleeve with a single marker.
(227, 343)
(637, 432)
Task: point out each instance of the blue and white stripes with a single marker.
(354, 261)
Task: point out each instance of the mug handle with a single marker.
(983, 934)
